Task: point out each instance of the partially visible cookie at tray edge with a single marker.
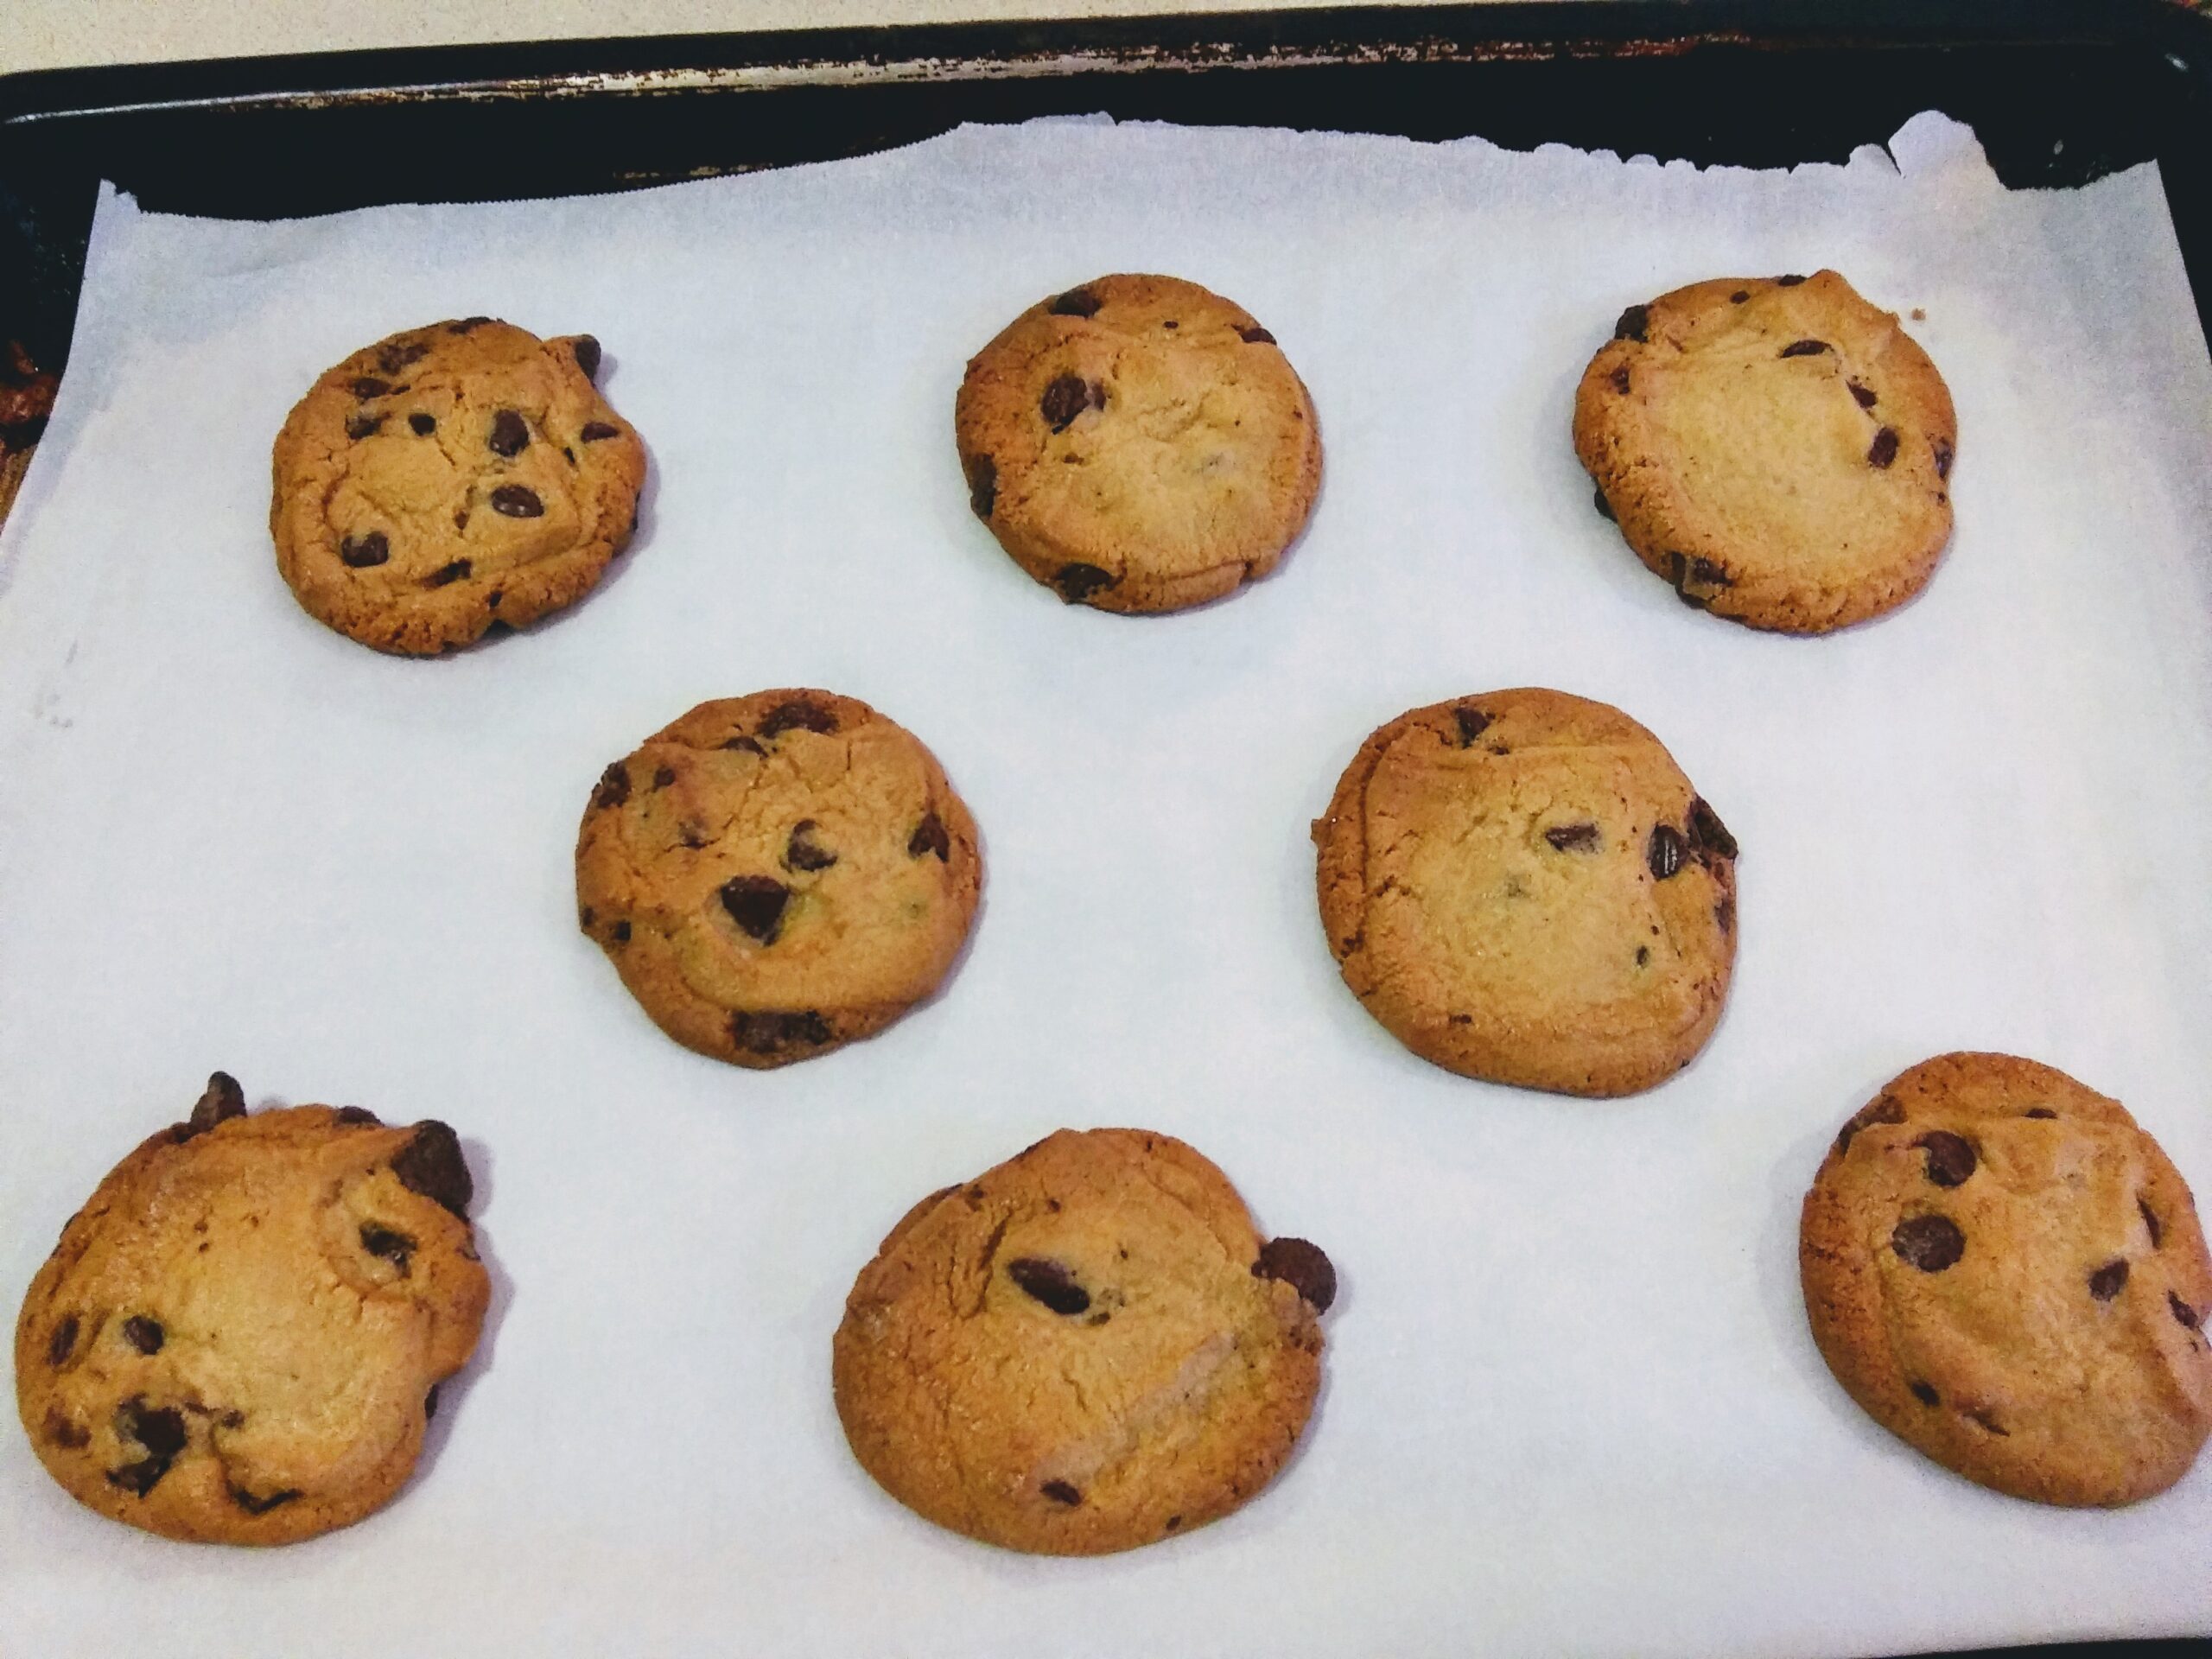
(449, 479)
(239, 1337)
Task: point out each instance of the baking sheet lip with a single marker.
(1259, 39)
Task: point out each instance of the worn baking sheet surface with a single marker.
(1572, 1405)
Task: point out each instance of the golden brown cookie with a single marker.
(1083, 1349)
(239, 1337)
(1139, 444)
(1523, 886)
(2005, 1272)
(1778, 449)
(774, 875)
(450, 478)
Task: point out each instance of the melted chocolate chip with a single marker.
(160, 1432)
(1942, 447)
(2038, 1111)
(1925, 1394)
(1635, 323)
(510, 433)
(431, 1164)
(756, 904)
(1665, 851)
(1928, 1243)
(358, 1114)
(423, 425)
(1864, 395)
(1790, 280)
(394, 357)
(448, 573)
(767, 1032)
(2181, 1309)
(63, 1430)
(1050, 1283)
(1805, 348)
(1619, 378)
(1078, 583)
(360, 553)
(597, 431)
(1696, 580)
(1473, 723)
(1887, 1109)
(931, 836)
(368, 385)
(1739, 297)
(982, 485)
(63, 1341)
(1883, 449)
(466, 324)
(1060, 1492)
(2149, 1221)
(361, 426)
(1075, 303)
(253, 1505)
(663, 776)
(803, 852)
(2108, 1280)
(1304, 1267)
(1572, 837)
(1255, 336)
(1064, 399)
(517, 501)
(395, 1248)
(1708, 833)
(613, 787)
(620, 933)
(588, 356)
(146, 1335)
(800, 713)
(1950, 1157)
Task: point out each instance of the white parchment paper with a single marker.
(1572, 1405)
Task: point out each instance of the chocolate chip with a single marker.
(361, 426)
(767, 1032)
(1572, 837)
(982, 485)
(1707, 833)
(466, 324)
(22, 435)
(381, 1241)
(492, 603)
(1065, 399)
(358, 1114)
(1950, 1157)
(460, 519)
(1472, 722)
(1885, 1109)
(1788, 282)
(2107, 1280)
(1926, 1395)
(594, 431)
(743, 742)
(1634, 324)
(1077, 302)
(1739, 297)
(1060, 1492)
(423, 424)
(801, 713)
(1050, 1283)
(613, 787)
(431, 1164)
(1805, 348)
(1665, 851)
(2181, 1309)
(931, 836)
(663, 776)
(63, 1430)
(587, 355)
(517, 501)
(1643, 955)
(160, 1431)
(510, 433)
(1255, 335)
(369, 386)
(63, 1341)
(1928, 1243)
(1619, 378)
(1883, 449)
(1304, 1267)
(144, 1334)
(253, 1505)
(1942, 449)
(1174, 1521)
(803, 852)
(447, 573)
(2038, 1111)
(1604, 507)
(1865, 395)
(620, 933)
(1077, 582)
(756, 904)
(2149, 1221)
(360, 553)
(430, 1404)
(1697, 582)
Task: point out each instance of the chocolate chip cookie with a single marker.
(777, 875)
(1139, 444)
(1523, 886)
(1775, 447)
(239, 1337)
(450, 478)
(2005, 1272)
(1085, 1349)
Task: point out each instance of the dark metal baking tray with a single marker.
(2059, 92)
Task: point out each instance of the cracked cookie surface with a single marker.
(1083, 1349)
(1521, 885)
(450, 478)
(2005, 1272)
(1775, 448)
(775, 876)
(1139, 444)
(238, 1338)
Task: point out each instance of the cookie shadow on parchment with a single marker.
(454, 1393)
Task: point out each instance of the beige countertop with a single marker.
(53, 33)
